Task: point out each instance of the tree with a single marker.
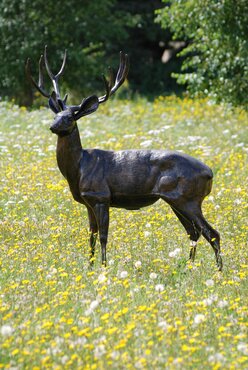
(93, 32)
(146, 44)
(216, 61)
(88, 29)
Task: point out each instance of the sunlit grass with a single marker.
(150, 309)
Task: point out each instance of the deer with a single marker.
(128, 179)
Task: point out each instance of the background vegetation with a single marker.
(150, 308)
(92, 32)
(216, 61)
(211, 34)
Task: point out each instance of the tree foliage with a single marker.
(87, 29)
(146, 44)
(93, 32)
(217, 53)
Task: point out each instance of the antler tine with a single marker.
(111, 78)
(122, 66)
(54, 78)
(106, 96)
(112, 86)
(63, 65)
(40, 85)
(47, 65)
(41, 68)
(122, 72)
(108, 86)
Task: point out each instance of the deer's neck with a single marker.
(69, 152)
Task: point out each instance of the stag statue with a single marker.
(129, 179)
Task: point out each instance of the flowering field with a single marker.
(150, 308)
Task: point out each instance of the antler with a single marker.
(111, 86)
(57, 104)
(55, 95)
(55, 78)
(40, 85)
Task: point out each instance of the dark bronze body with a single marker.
(129, 179)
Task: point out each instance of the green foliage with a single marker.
(146, 44)
(88, 31)
(93, 32)
(217, 53)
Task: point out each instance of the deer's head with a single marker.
(65, 120)
(67, 115)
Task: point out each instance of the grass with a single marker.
(150, 308)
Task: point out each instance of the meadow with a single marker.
(150, 308)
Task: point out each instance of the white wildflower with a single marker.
(199, 318)
(237, 202)
(53, 271)
(114, 355)
(102, 278)
(153, 275)
(193, 139)
(99, 351)
(214, 297)
(209, 282)
(123, 274)
(81, 341)
(159, 288)
(236, 278)
(139, 365)
(243, 347)
(163, 325)
(147, 233)
(217, 357)
(175, 252)
(64, 359)
(137, 264)
(94, 304)
(146, 143)
(6, 330)
(207, 301)
(222, 304)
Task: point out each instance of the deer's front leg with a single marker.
(93, 233)
(101, 211)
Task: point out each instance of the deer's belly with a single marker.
(133, 202)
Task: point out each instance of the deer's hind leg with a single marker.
(191, 229)
(191, 210)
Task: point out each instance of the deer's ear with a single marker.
(53, 104)
(88, 106)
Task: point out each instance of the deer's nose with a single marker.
(53, 128)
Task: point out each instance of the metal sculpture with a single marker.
(128, 179)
